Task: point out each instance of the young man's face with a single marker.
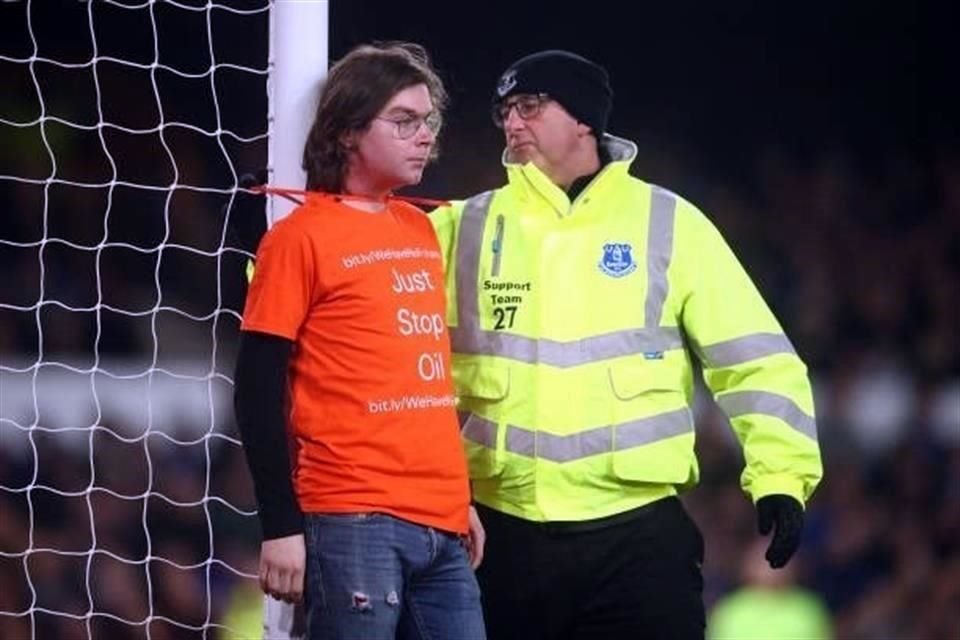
(548, 137)
(394, 150)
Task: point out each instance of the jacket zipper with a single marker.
(497, 247)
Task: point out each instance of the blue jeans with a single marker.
(371, 576)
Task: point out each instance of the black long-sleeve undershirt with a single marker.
(259, 399)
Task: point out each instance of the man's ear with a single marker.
(583, 130)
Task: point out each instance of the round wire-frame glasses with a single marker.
(408, 126)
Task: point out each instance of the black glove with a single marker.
(784, 514)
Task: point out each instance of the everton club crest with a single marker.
(617, 259)
(507, 82)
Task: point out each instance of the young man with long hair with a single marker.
(343, 392)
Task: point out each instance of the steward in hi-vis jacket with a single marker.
(579, 298)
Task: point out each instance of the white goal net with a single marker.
(125, 505)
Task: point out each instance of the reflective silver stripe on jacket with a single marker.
(589, 442)
(743, 349)
(766, 403)
(469, 239)
(659, 251)
(564, 354)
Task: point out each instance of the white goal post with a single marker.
(299, 60)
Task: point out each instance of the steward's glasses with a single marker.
(528, 106)
(408, 126)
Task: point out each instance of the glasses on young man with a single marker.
(408, 126)
(528, 105)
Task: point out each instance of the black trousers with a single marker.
(634, 576)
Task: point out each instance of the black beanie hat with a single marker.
(579, 85)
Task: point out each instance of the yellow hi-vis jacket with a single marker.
(573, 328)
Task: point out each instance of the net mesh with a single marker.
(125, 506)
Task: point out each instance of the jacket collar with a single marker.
(532, 183)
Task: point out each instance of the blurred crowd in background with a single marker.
(861, 268)
(856, 249)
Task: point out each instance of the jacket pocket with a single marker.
(481, 392)
(484, 384)
(633, 380)
(653, 428)
(484, 457)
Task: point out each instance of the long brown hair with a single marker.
(356, 90)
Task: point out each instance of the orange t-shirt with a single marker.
(371, 416)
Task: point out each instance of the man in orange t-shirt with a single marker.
(343, 374)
